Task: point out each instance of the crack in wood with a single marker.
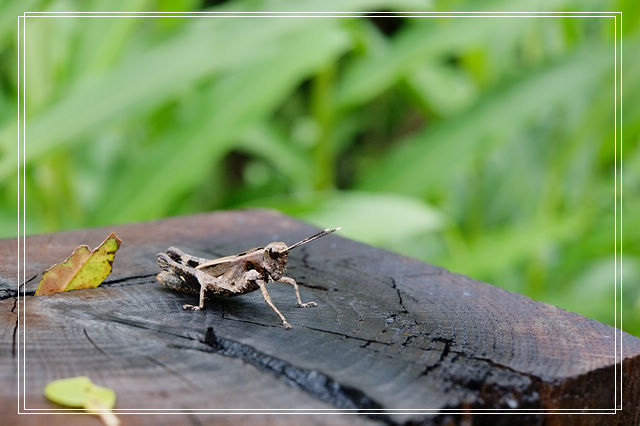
(346, 336)
(144, 326)
(14, 294)
(313, 382)
(125, 279)
(10, 292)
(366, 344)
(523, 392)
(225, 317)
(194, 419)
(335, 333)
(150, 358)
(503, 367)
(174, 372)
(490, 394)
(305, 259)
(306, 263)
(13, 311)
(394, 285)
(95, 345)
(316, 287)
(15, 328)
(440, 361)
(408, 339)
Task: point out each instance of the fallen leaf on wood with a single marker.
(85, 268)
(80, 392)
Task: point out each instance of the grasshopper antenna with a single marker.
(322, 233)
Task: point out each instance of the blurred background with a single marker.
(482, 145)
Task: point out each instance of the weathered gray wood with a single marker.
(389, 333)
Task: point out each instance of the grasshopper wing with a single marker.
(218, 267)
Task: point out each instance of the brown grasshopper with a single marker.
(232, 275)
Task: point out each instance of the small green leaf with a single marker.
(80, 392)
(83, 269)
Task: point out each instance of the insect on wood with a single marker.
(231, 275)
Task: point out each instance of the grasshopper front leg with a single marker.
(257, 278)
(291, 281)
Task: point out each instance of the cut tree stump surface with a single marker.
(389, 332)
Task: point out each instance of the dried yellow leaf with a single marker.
(85, 268)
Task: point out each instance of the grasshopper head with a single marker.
(275, 259)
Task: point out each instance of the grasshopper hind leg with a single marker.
(200, 304)
(183, 272)
(172, 281)
(180, 277)
(183, 258)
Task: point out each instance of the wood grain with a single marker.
(390, 332)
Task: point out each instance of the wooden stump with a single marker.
(389, 333)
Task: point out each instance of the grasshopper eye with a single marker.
(273, 254)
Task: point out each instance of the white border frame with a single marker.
(22, 205)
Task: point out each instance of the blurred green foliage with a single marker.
(482, 145)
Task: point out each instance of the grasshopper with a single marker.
(231, 275)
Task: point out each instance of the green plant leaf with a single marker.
(9, 10)
(522, 241)
(203, 48)
(443, 90)
(85, 268)
(240, 99)
(435, 155)
(428, 38)
(267, 141)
